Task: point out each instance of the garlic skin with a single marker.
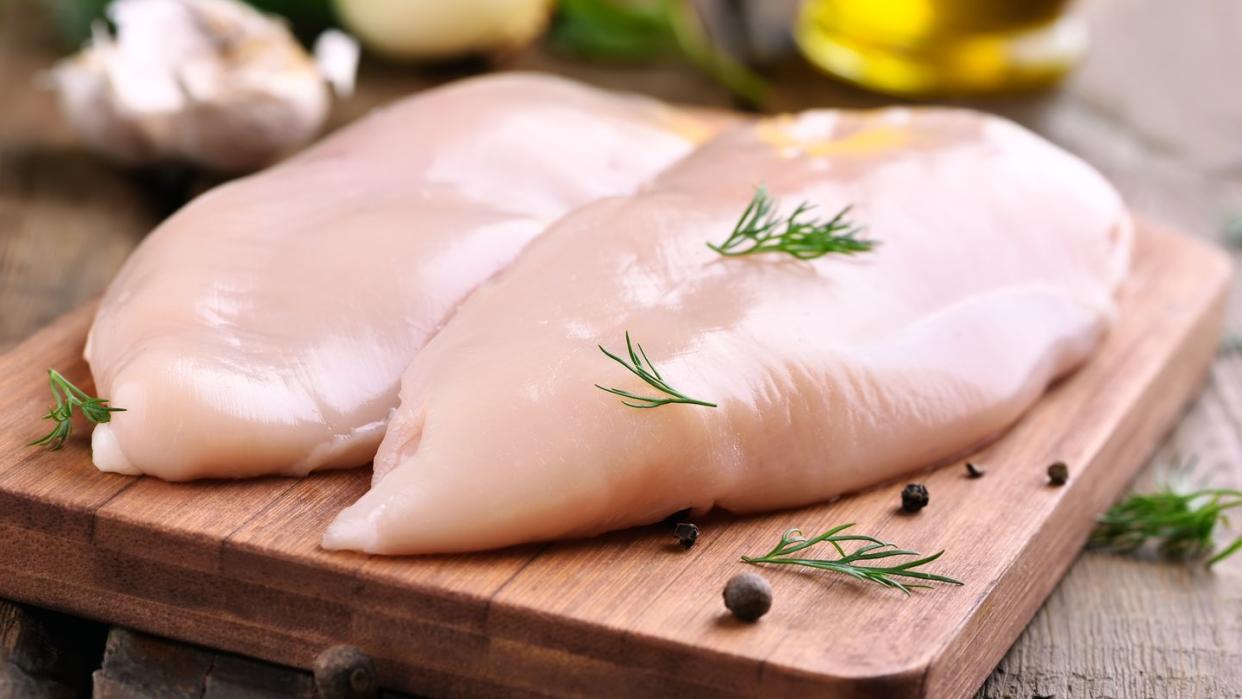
(210, 82)
(440, 29)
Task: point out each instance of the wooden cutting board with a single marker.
(235, 565)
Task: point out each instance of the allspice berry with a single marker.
(748, 596)
(1058, 473)
(686, 534)
(345, 672)
(914, 497)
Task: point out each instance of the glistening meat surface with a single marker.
(263, 329)
(998, 259)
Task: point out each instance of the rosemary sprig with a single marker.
(1182, 523)
(68, 397)
(760, 229)
(871, 549)
(640, 366)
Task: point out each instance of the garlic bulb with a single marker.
(211, 82)
(435, 29)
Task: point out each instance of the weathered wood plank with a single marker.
(1140, 627)
(67, 220)
(1125, 627)
(44, 654)
(136, 666)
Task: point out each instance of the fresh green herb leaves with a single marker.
(610, 30)
(640, 366)
(760, 229)
(871, 549)
(1182, 523)
(625, 30)
(68, 397)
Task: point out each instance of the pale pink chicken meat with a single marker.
(998, 259)
(263, 329)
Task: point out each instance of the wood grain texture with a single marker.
(1152, 108)
(136, 666)
(67, 220)
(235, 565)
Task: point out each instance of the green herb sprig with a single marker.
(68, 397)
(624, 30)
(1181, 523)
(760, 229)
(871, 549)
(640, 366)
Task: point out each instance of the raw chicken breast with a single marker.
(995, 272)
(264, 328)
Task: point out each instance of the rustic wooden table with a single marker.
(1156, 108)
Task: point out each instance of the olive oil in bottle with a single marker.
(927, 48)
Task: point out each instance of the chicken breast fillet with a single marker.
(997, 260)
(263, 329)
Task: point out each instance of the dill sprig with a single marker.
(760, 229)
(871, 549)
(1181, 523)
(640, 366)
(68, 397)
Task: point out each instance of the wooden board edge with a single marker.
(237, 616)
(913, 681)
(961, 668)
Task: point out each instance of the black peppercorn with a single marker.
(345, 672)
(974, 471)
(1058, 473)
(914, 497)
(686, 534)
(748, 596)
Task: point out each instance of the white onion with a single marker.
(437, 29)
